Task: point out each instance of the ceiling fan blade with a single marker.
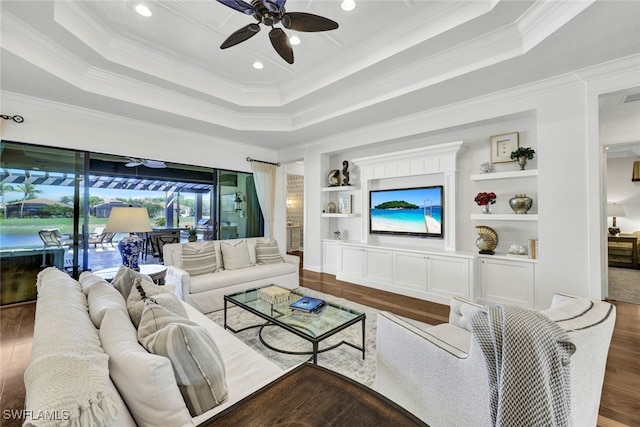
(238, 5)
(132, 164)
(274, 5)
(241, 35)
(307, 22)
(280, 43)
(154, 164)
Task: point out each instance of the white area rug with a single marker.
(344, 359)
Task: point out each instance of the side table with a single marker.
(155, 271)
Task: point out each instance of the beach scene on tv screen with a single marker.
(415, 210)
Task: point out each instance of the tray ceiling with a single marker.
(388, 59)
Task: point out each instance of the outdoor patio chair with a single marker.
(99, 236)
(52, 238)
(159, 240)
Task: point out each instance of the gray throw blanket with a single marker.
(527, 359)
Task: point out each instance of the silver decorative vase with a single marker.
(522, 161)
(520, 203)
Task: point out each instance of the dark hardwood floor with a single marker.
(620, 404)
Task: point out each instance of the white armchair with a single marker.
(439, 373)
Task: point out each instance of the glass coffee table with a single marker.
(313, 328)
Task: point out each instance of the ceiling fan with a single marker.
(155, 164)
(270, 13)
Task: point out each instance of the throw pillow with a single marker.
(145, 381)
(268, 252)
(144, 290)
(102, 297)
(196, 359)
(123, 281)
(202, 260)
(235, 256)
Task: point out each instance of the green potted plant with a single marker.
(522, 154)
(193, 236)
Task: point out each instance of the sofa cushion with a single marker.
(222, 279)
(102, 297)
(124, 278)
(267, 252)
(162, 295)
(199, 259)
(235, 256)
(145, 381)
(88, 279)
(196, 359)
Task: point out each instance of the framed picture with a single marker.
(501, 147)
(344, 204)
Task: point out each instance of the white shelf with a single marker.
(339, 215)
(504, 217)
(504, 175)
(340, 188)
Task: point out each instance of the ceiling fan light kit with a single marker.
(270, 13)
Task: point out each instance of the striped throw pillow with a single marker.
(199, 260)
(267, 252)
(195, 357)
(143, 290)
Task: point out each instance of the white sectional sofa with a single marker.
(440, 375)
(205, 288)
(87, 367)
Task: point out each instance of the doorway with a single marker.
(295, 207)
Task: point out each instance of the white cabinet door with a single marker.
(378, 266)
(350, 262)
(449, 276)
(507, 282)
(410, 271)
(329, 257)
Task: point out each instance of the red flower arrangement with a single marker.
(483, 199)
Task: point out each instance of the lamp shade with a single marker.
(614, 209)
(128, 220)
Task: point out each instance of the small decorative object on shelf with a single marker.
(193, 236)
(334, 178)
(337, 235)
(487, 240)
(331, 207)
(485, 199)
(520, 203)
(533, 248)
(517, 251)
(487, 167)
(344, 204)
(345, 173)
(522, 154)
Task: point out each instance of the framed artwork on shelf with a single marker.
(502, 145)
(344, 204)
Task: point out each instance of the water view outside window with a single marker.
(52, 214)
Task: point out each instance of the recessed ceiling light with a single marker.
(294, 40)
(348, 5)
(258, 65)
(143, 10)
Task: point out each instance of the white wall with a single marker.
(621, 190)
(63, 126)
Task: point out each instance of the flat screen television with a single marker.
(407, 211)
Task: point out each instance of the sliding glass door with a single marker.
(40, 221)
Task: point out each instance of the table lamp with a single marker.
(615, 210)
(129, 220)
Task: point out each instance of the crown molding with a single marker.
(124, 122)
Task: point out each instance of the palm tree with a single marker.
(5, 188)
(29, 192)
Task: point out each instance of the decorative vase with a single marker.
(487, 240)
(192, 238)
(520, 203)
(486, 209)
(522, 161)
(130, 248)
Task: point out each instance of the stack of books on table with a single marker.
(308, 306)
